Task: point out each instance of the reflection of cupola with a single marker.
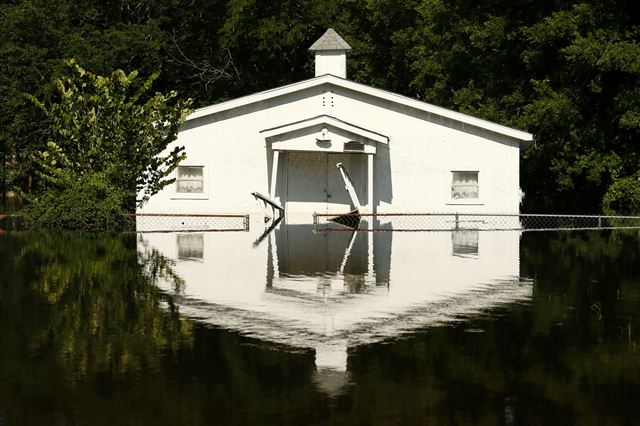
(331, 54)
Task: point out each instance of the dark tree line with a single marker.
(567, 71)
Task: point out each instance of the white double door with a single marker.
(314, 183)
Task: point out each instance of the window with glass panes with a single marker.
(190, 179)
(464, 184)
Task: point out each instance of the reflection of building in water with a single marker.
(190, 246)
(465, 242)
(333, 290)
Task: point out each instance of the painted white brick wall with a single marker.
(411, 174)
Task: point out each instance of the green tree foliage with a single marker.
(584, 62)
(88, 203)
(567, 72)
(105, 127)
(623, 196)
(36, 37)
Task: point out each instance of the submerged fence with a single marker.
(460, 221)
(163, 222)
(157, 222)
(152, 222)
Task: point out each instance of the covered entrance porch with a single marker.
(304, 176)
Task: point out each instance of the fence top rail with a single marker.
(604, 228)
(12, 215)
(578, 216)
(185, 215)
(481, 214)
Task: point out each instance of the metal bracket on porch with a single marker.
(351, 219)
(263, 201)
(348, 185)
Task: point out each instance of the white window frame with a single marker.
(464, 201)
(204, 195)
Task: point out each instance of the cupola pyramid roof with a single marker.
(330, 40)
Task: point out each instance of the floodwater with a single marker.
(297, 327)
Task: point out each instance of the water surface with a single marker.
(320, 328)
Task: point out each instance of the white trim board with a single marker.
(325, 120)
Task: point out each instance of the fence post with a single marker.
(457, 224)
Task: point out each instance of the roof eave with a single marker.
(379, 93)
(255, 97)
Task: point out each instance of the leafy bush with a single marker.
(623, 196)
(86, 203)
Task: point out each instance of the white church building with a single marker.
(402, 155)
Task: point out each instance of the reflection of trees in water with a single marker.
(86, 299)
(155, 266)
(596, 271)
(557, 358)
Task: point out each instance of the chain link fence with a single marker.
(461, 221)
(154, 222)
(373, 222)
(190, 222)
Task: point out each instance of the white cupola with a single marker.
(331, 54)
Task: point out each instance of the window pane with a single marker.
(190, 186)
(464, 191)
(187, 172)
(465, 178)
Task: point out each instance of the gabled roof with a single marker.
(330, 40)
(325, 120)
(361, 88)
